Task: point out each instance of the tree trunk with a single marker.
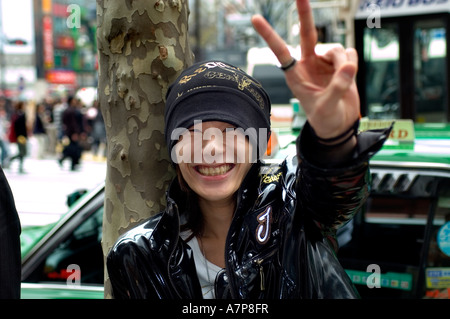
(143, 46)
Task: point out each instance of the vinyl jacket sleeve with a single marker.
(328, 196)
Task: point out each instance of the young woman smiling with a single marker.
(215, 185)
(234, 227)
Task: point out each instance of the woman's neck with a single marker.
(217, 217)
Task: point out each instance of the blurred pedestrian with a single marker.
(10, 260)
(51, 127)
(97, 130)
(58, 110)
(4, 127)
(18, 133)
(72, 123)
(39, 129)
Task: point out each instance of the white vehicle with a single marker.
(263, 65)
(404, 63)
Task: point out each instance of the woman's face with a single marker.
(214, 159)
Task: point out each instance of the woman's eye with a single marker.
(195, 133)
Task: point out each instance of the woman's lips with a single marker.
(214, 170)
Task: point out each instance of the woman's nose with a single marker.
(213, 149)
(213, 145)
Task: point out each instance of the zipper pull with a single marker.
(261, 273)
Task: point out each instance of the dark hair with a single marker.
(19, 105)
(70, 98)
(193, 215)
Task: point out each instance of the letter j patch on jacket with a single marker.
(264, 222)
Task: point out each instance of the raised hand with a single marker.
(325, 85)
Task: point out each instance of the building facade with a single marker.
(65, 43)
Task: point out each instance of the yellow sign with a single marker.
(47, 6)
(438, 277)
(403, 130)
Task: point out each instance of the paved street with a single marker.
(41, 192)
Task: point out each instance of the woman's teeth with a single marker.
(214, 171)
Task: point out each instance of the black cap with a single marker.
(218, 91)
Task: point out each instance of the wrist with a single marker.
(332, 152)
(341, 139)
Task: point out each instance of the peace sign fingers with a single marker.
(273, 40)
(324, 84)
(308, 32)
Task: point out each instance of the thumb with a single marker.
(342, 81)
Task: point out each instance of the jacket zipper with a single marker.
(227, 244)
(259, 262)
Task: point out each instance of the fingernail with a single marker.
(348, 74)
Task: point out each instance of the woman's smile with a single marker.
(214, 170)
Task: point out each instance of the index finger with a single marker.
(308, 32)
(273, 40)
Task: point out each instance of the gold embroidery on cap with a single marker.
(187, 78)
(243, 82)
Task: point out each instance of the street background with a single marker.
(40, 193)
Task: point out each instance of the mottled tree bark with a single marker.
(143, 46)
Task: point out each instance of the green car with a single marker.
(398, 246)
(65, 260)
(400, 242)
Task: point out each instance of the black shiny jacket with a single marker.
(281, 243)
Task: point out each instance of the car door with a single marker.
(68, 262)
(393, 251)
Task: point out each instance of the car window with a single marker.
(394, 229)
(272, 78)
(437, 273)
(397, 235)
(79, 258)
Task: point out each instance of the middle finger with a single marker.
(308, 32)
